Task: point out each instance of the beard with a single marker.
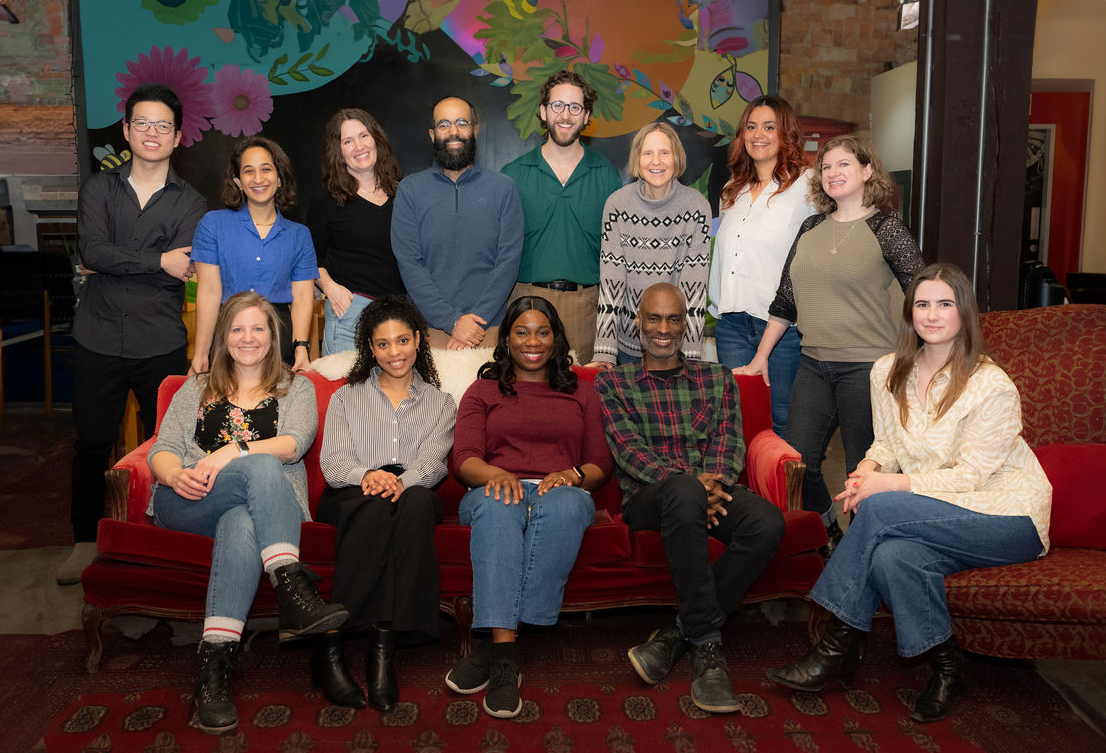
(559, 137)
(455, 159)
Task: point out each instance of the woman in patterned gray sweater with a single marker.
(654, 230)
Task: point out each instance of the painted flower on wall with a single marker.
(179, 12)
(181, 75)
(242, 101)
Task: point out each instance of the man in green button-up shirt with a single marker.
(564, 187)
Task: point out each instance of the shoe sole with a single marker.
(214, 730)
(463, 691)
(726, 709)
(330, 622)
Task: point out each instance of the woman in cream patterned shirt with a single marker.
(947, 485)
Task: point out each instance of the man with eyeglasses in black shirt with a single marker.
(135, 225)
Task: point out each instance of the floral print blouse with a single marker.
(221, 422)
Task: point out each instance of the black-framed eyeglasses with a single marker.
(164, 127)
(574, 108)
(461, 123)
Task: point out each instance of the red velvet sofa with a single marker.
(1054, 607)
(146, 570)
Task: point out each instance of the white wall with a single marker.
(893, 116)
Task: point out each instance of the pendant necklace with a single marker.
(833, 231)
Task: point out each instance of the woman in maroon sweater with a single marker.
(529, 443)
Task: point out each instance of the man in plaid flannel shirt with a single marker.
(674, 428)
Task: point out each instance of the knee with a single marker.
(569, 505)
(260, 465)
(420, 504)
(235, 530)
(682, 497)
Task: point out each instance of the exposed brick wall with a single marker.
(831, 49)
(37, 131)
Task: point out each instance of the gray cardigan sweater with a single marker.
(297, 417)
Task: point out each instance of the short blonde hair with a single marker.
(679, 156)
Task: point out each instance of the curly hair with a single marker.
(877, 189)
(234, 197)
(386, 309)
(790, 164)
(221, 381)
(572, 79)
(969, 349)
(558, 369)
(337, 179)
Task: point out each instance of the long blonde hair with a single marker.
(222, 381)
(969, 349)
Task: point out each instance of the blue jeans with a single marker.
(250, 506)
(900, 547)
(828, 394)
(339, 331)
(737, 336)
(522, 554)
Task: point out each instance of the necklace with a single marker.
(833, 230)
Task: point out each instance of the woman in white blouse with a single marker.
(387, 434)
(947, 485)
(763, 204)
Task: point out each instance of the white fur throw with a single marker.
(457, 368)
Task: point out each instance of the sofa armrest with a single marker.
(128, 484)
(775, 470)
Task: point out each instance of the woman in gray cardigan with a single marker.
(654, 230)
(229, 464)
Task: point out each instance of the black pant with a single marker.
(751, 530)
(385, 564)
(100, 386)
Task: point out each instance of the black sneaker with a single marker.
(502, 699)
(470, 675)
(710, 682)
(655, 658)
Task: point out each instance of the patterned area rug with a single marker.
(579, 692)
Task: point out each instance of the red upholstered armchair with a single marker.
(143, 569)
(1054, 607)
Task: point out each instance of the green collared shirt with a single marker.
(563, 223)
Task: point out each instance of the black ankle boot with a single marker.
(835, 534)
(945, 687)
(329, 672)
(301, 611)
(214, 705)
(380, 669)
(835, 655)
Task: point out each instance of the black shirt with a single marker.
(354, 244)
(130, 307)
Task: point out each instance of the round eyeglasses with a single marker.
(574, 108)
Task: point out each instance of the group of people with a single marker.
(548, 258)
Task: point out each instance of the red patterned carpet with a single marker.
(579, 691)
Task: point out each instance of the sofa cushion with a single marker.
(1066, 586)
(1078, 503)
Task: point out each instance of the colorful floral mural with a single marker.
(233, 62)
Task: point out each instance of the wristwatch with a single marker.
(243, 448)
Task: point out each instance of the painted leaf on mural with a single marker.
(262, 22)
(722, 88)
(747, 86)
(605, 83)
(523, 110)
(508, 31)
(178, 12)
(427, 15)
